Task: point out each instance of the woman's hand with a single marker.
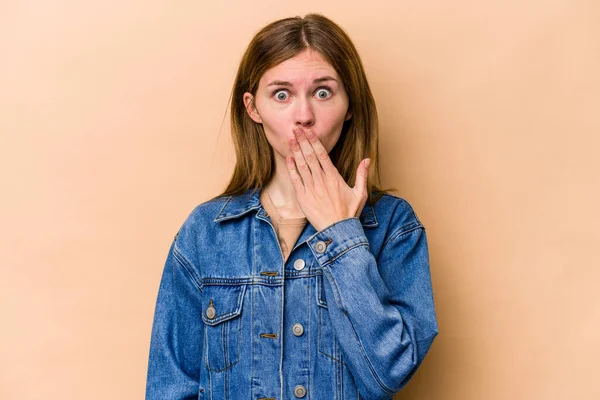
(322, 193)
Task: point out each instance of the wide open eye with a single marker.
(323, 93)
(281, 95)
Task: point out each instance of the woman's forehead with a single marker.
(304, 68)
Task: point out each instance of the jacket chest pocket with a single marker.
(221, 314)
(328, 345)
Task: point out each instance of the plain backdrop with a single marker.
(114, 126)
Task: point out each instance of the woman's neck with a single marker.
(282, 194)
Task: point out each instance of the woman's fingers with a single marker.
(294, 176)
(303, 168)
(362, 176)
(321, 153)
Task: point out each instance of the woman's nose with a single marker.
(303, 113)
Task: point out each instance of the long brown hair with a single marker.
(273, 44)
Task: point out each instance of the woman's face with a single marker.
(302, 91)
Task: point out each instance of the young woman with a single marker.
(302, 279)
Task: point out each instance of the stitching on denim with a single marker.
(210, 388)
(336, 386)
(332, 357)
(226, 328)
(252, 339)
(214, 369)
(299, 274)
(267, 281)
(336, 291)
(225, 323)
(330, 226)
(187, 266)
(253, 261)
(256, 280)
(319, 320)
(318, 292)
(332, 259)
(222, 208)
(342, 377)
(412, 210)
(219, 370)
(228, 315)
(224, 345)
(319, 328)
(368, 361)
(403, 230)
(281, 318)
(338, 373)
(240, 332)
(308, 303)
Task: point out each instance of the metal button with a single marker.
(299, 391)
(320, 247)
(299, 264)
(210, 311)
(298, 329)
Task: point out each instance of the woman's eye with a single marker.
(323, 93)
(281, 95)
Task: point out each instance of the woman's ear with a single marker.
(348, 115)
(251, 108)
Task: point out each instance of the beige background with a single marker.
(111, 121)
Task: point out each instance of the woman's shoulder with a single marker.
(396, 211)
(206, 210)
(199, 224)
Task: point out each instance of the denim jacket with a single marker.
(349, 315)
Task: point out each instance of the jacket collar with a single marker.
(237, 206)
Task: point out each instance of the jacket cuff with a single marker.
(337, 238)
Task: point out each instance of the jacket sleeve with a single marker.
(176, 339)
(383, 312)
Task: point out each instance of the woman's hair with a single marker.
(275, 43)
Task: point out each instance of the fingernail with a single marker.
(297, 131)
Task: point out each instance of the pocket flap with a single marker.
(221, 302)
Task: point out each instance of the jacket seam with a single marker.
(401, 232)
(336, 292)
(224, 205)
(412, 210)
(187, 266)
(344, 251)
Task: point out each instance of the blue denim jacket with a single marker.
(350, 315)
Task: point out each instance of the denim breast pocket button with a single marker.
(222, 325)
(210, 311)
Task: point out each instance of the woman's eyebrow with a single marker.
(318, 80)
